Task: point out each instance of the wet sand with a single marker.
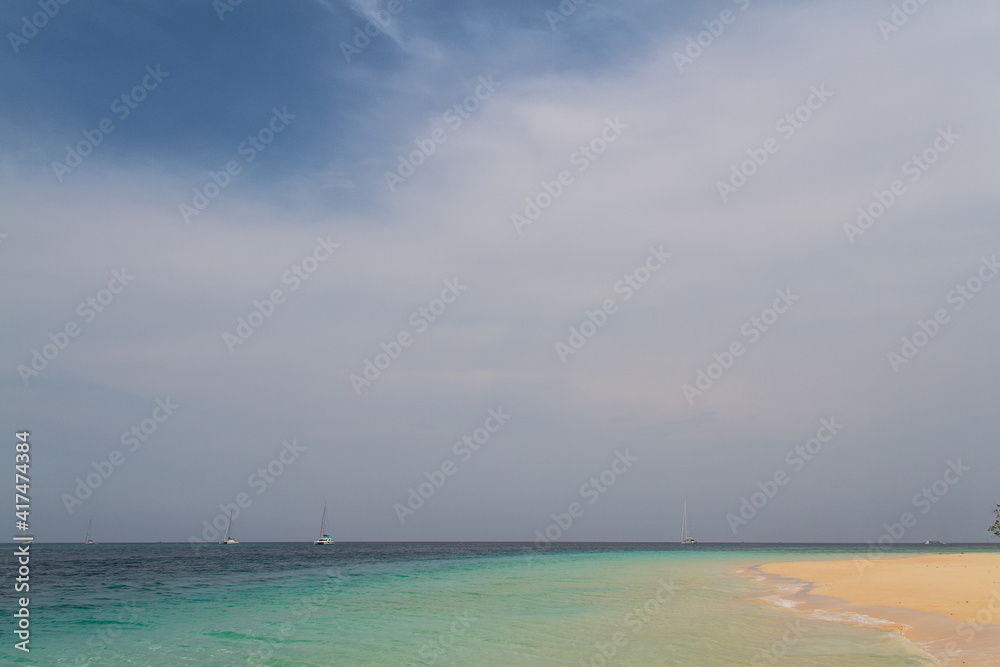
(949, 605)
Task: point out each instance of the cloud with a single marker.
(655, 184)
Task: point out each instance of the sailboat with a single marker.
(228, 539)
(87, 539)
(685, 538)
(324, 538)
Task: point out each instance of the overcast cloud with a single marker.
(661, 133)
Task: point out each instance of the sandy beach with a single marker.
(949, 603)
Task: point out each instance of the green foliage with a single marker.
(995, 528)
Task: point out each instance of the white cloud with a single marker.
(654, 185)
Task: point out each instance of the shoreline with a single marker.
(948, 605)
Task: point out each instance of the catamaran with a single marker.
(324, 538)
(685, 538)
(87, 539)
(228, 539)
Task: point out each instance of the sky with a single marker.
(502, 271)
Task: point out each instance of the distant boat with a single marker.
(685, 538)
(228, 539)
(933, 542)
(87, 539)
(324, 538)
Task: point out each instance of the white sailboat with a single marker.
(324, 538)
(87, 539)
(685, 538)
(228, 539)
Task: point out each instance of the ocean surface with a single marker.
(431, 604)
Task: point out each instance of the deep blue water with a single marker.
(419, 603)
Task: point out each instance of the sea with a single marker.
(589, 605)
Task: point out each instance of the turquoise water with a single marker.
(429, 604)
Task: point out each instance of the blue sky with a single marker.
(529, 217)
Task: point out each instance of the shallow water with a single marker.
(431, 604)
